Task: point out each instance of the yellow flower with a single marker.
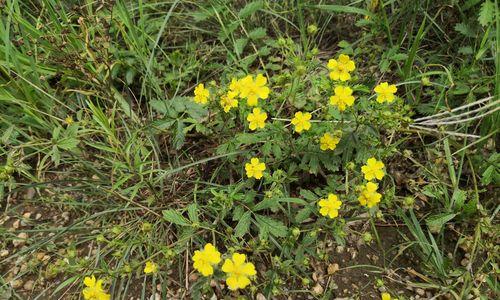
(373, 169)
(385, 296)
(238, 271)
(330, 207)
(203, 260)
(229, 101)
(150, 267)
(69, 120)
(342, 97)
(385, 92)
(93, 290)
(329, 141)
(235, 86)
(257, 119)
(301, 121)
(255, 168)
(253, 90)
(201, 94)
(369, 196)
(340, 69)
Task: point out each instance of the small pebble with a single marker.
(28, 285)
(21, 239)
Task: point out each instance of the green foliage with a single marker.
(99, 134)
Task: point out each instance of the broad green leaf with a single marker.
(175, 217)
(303, 215)
(67, 143)
(436, 222)
(240, 44)
(243, 224)
(250, 8)
(274, 227)
(193, 211)
(257, 33)
(308, 195)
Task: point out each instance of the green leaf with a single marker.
(250, 8)
(303, 215)
(344, 9)
(159, 106)
(180, 135)
(464, 29)
(274, 227)
(175, 217)
(239, 45)
(488, 175)
(486, 13)
(458, 198)
(257, 33)
(243, 224)
(308, 195)
(64, 284)
(436, 222)
(68, 143)
(193, 211)
(274, 202)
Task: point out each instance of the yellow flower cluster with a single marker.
(238, 271)
(257, 119)
(93, 289)
(369, 196)
(330, 207)
(342, 97)
(340, 70)
(255, 168)
(253, 89)
(301, 121)
(329, 141)
(385, 92)
(150, 268)
(204, 260)
(201, 94)
(374, 169)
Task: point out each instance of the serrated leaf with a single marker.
(303, 215)
(180, 135)
(159, 106)
(243, 224)
(486, 13)
(250, 8)
(257, 33)
(193, 210)
(175, 217)
(274, 227)
(464, 29)
(308, 195)
(239, 45)
(436, 222)
(67, 143)
(458, 198)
